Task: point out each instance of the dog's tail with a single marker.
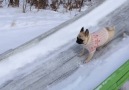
(111, 28)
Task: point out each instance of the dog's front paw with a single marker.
(81, 54)
(85, 61)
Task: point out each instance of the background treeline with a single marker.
(48, 4)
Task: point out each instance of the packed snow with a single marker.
(84, 79)
(29, 27)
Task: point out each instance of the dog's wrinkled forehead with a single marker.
(83, 33)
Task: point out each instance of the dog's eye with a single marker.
(80, 36)
(79, 39)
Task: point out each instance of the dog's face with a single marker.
(82, 36)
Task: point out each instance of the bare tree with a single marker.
(54, 5)
(69, 5)
(11, 2)
(14, 3)
(81, 4)
(1, 3)
(24, 6)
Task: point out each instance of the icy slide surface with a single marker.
(63, 69)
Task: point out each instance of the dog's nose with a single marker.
(76, 42)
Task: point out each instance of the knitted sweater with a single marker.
(97, 39)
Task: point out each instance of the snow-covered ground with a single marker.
(18, 28)
(21, 27)
(81, 79)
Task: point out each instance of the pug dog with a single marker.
(94, 40)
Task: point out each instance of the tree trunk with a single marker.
(11, 2)
(81, 5)
(24, 6)
(1, 3)
(16, 2)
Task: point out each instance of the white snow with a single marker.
(18, 28)
(125, 86)
(90, 75)
(87, 79)
(15, 24)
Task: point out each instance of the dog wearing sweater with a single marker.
(94, 40)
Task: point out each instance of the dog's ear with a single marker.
(82, 29)
(87, 32)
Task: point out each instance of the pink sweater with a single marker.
(97, 39)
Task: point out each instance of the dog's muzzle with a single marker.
(79, 41)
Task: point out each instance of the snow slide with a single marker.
(62, 69)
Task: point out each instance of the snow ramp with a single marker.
(62, 69)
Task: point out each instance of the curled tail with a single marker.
(110, 28)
